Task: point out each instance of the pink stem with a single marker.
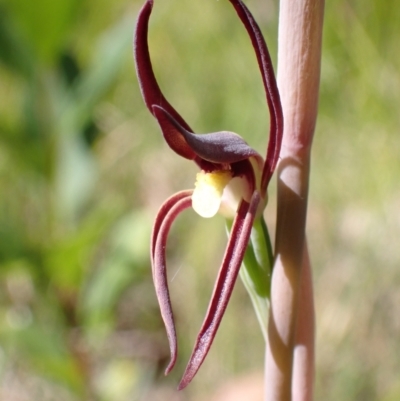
(299, 56)
(303, 358)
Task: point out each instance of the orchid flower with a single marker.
(233, 180)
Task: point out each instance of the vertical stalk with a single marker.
(290, 349)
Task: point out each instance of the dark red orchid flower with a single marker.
(233, 180)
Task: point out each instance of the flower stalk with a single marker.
(233, 181)
(290, 347)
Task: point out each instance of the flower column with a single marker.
(290, 350)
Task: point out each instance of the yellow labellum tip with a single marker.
(207, 195)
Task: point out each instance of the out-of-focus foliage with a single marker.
(83, 170)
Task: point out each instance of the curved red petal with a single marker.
(221, 147)
(162, 212)
(227, 275)
(271, 90)
(151, 92)
(172, 208)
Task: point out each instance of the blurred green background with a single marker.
(83, 170)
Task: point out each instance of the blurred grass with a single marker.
(83, 170)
